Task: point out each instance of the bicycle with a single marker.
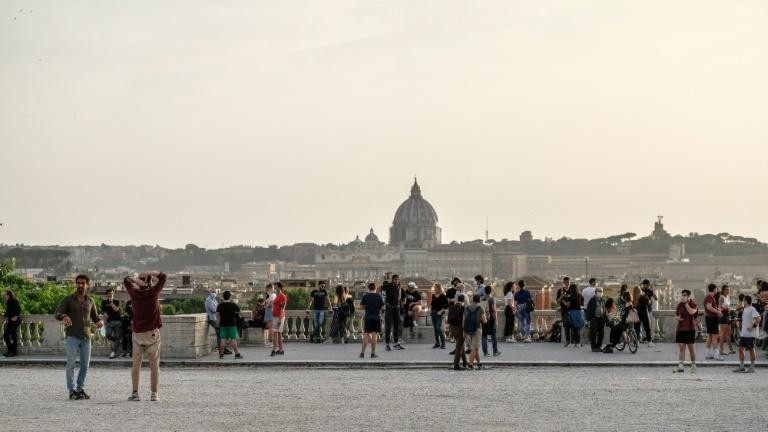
(628, 337)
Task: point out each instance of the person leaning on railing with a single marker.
(12, 322)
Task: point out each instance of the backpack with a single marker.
(471, 321)
(529, 306)
(455, 313)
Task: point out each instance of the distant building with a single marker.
(463, 260)
(357, 260)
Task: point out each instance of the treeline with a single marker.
(33, 298)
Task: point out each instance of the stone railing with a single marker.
(190, 336)
(183, 336)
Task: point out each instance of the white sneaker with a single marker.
(112, 355)
(415, 324)
(527, 340)
(719, 357)
(651, 345)
(268, 345)
(693, 369)
(569, 346)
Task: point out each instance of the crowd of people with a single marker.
(460, 315)
(467, 317)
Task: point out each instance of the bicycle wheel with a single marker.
(622, 342)
(632, 342)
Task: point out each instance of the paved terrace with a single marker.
(296, 399)
(416, 355)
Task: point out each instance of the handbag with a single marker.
(633, 317)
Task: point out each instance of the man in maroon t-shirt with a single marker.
(146, 328)
(686, 313)
(712, 314)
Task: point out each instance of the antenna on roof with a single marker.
(486, 230)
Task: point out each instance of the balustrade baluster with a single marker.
(301, 327)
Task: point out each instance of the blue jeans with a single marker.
(319, 318)
(215, 325)
(489, 330)
(524, 321)
(114, 332)
(437, 324)
(73, 345)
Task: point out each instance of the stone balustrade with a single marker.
(189, 336)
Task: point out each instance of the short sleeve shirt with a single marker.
(278, 306)
(319, 299)
(689, 321)
(228, 312)
(711, 301)
(372, 303)
(747, 321)
(412, 297)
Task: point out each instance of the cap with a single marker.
(411, 284)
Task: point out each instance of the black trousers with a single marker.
(509, 323)
(392, 323)
(646, 323)
(596, 332)
(11, 335)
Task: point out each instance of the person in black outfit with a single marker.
(128, 330)
(393, 296)
(439, 307)
(12, 323)
(227, 314)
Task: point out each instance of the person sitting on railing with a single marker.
(257, 313)
(615, 323)
(343, 308)
(412, 306)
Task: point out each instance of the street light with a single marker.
(586, 265)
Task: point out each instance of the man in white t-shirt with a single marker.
(750, 322)
(589, 291)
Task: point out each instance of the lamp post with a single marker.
(586, 265)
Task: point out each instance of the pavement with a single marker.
(305, 399)
(302, 354)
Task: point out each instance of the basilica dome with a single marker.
(415, 223)
(415, 210)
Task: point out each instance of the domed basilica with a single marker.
(415, 223)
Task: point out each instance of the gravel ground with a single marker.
(503, 399)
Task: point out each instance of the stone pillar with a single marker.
(185, 336)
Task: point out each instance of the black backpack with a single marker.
(472, 321)
(455, 313)
(529, 306)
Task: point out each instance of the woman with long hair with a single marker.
(509, 312)
(572, 301)
(341, 311)
(438, 309)
(725, 320)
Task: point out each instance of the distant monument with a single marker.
(415, 223)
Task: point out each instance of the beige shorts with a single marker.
(474, 338)
(277, 324)
(147, 342)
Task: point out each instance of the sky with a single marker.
(257, 123)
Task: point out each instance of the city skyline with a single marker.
(282, 123)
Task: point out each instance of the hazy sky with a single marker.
(223, 123)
